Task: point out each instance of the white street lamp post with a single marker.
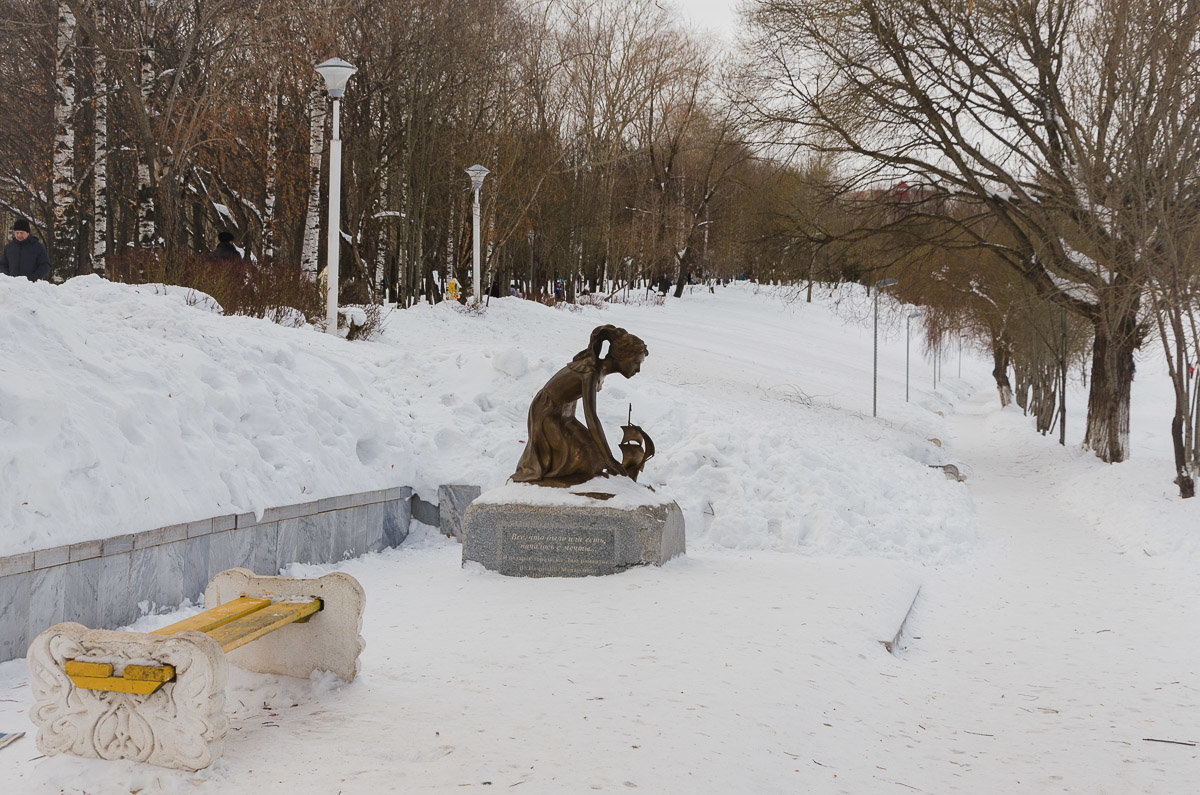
(336, 72)
(476, 173)
(879, 285)
(907, 348)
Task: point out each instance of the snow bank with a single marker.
(123, 409)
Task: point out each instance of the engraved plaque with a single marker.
(566, 552)
(569, 541)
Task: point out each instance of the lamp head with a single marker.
(477, 173)
(336, 72)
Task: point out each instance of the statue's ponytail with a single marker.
(600, 334)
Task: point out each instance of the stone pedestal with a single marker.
(585, 537)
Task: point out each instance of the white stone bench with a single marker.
(159, 697)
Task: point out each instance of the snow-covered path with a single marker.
(1046, 662)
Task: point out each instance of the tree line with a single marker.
(1026, 169)
(612, 157)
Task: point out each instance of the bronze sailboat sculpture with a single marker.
(636, 447)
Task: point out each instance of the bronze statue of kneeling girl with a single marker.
(561, 450)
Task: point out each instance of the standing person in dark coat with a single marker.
(225, 249)
(25, 255)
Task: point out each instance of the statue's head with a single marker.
(629, 352)
(625, 351)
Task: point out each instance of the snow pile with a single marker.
(125, 409)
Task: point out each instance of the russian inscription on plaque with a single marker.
(526, 552)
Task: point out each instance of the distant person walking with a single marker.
(225, 249)
(25, 255)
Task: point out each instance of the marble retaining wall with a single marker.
(111, 582)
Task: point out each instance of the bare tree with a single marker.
(1058, 117)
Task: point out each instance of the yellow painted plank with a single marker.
(93, 669)
(217, 616)
(116, 684)
(249, 627)
(143, 679)
(149, 673)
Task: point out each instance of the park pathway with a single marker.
(1052, 661)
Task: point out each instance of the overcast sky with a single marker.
(716, 15)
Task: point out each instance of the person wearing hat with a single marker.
(25, 255)
(225, 248)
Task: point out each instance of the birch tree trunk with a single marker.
(100, 159)
(417, 268)
(489, 276)
(147, 231)
(382, 243)
(66, 231)
(312, 219)
(406, 277)
(385, 222)
(450, 247)
(272, 167)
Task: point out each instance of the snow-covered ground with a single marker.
(1052, 642)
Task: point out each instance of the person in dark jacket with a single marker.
(225, 248)
(25, 255)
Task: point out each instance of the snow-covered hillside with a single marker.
(123, 410)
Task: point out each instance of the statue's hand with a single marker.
(616, 468)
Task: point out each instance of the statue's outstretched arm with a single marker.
(590, 384)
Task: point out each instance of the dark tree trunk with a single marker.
(1001, 358)
(1178, 368)
(1107, 431)
(1187, 486)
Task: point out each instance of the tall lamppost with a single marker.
(476, 173)
(879, 285)
(336, 72)
(907, 347)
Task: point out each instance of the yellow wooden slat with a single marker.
(144, 679)
(80, 668)
(217, 616)
(249, 627)
(116, 684)
(149, 673)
